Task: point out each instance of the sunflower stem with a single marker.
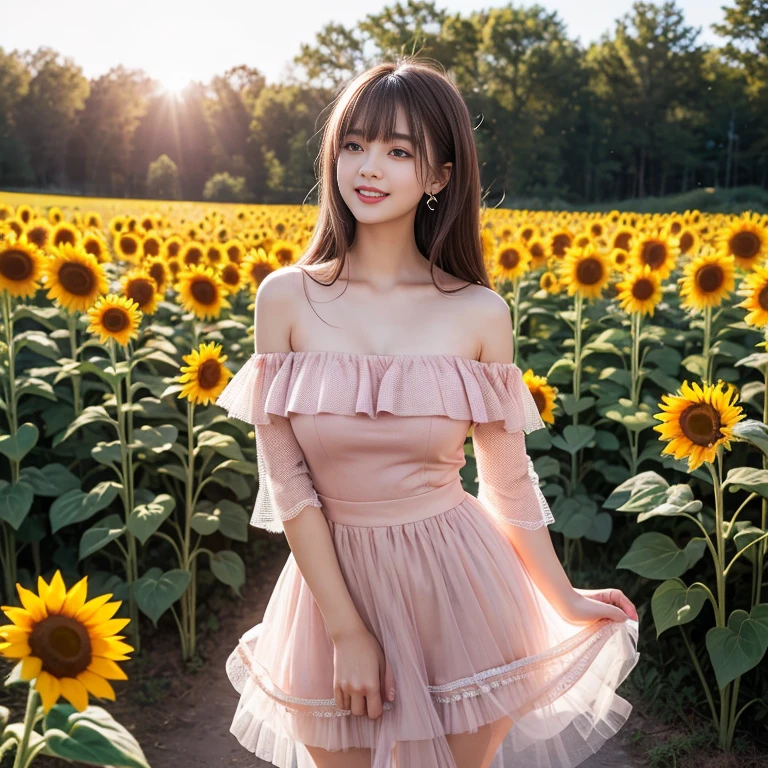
(20, 760)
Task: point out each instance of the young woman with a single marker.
(413, 625)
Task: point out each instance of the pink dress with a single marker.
(377, 441)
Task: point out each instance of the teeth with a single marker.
(370, 194)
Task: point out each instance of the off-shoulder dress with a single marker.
(377, 442)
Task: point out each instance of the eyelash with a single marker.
(397, 149)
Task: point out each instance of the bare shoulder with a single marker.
(274, 310)
(493, 321)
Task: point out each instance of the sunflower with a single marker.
(21, 266)
(117, 225)
(76, 278)
(25, 213)
(755, 290)
(214, 254)
(115, 317)
(622, 238)
(656, 249)
(285, 252)
(6, 212)
(159, 271)
(640, 291)
(55, 215)
(201, 291)
(537, 247)
(746, 239)
(511, 260)
(559, 242)
(39, 232)
(204, 378)
(92, 220)
(708, 279)
(620, 260)
(585, 271)
(234, 251)
(192, 253)
(690, 241)
(257, 265)
(139, 285)
(544, 395)
(93, 243)
(232, 277)
(152, 244)
(128, 246)
(65, 233)
(67, 645)
(698, 421)
(172, 247)
(550, 283)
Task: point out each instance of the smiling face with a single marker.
(391, 167)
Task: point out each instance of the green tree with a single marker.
(223, 188)
(163, 179)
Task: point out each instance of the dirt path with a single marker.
(191, 726)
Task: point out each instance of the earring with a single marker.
(429, 200)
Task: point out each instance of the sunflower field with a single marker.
(641, 337)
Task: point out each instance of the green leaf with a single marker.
(205, 523)
(92, 736)
(99, 535)
(747, 479)
(674, 604)
(739, 647)
(89, 415)
(753, 432)
(229, 568)
(174, 470)
(34, 386)
(155, 439)
(39, 342)
(17, 446)
(655, 556)
(76, 505)
(633, 485)
(234, 520)
(15, 502)
(697, 365)
(679, 500)
(156, 591)
(223, 444)
(756, 360)
(574, 438)
(571, 405)
(146, 519)
(634, 419)
(108, 453)
(51, 480)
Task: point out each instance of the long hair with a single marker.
(448, 236)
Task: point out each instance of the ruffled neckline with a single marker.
(352, 383)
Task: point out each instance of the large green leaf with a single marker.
(234, 520)
(634, 419)
(93, 737)
(15, 502)
(34, 386)
(679, 499)
(99, 535)
(156, 591)
(655, 556)
(747, 479)
(108, 453)
(673, 604)
(754, 432)
(741, 645)
(229, 568)
(76, 505)
(155, 439)
(226, 445)
(51, 480)
(145, 519)
(39, 342)
(17, 446)
(633, 485)
(574, 438)
(89, 415)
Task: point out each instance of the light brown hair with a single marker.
(448, 236)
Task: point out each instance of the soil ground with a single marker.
(181, 714)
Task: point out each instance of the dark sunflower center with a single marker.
(114, 319)
(700, 423)
(193, 256)
(92, 246)
(621, 257)
(537, 250)
(539, 399)
(746, 245)
(589, 271)
(596, 230)
(203, 291)
(559, 245)
(15, 265)
(38, 236)
(128, 245)
(62, 644)
(140, 290)
(233, 254)
(64, 236)
(675, 227)
(151, 247)
(654, 253)
(230, 274)
(157, 271)
(209, 374)
(173, 248)
(642, 290)
(214, 255)
(509, 258)
(76, 278)
(710, 278)
(762, 297)
(284, 255)
(622, 241)
(258, 272)
(686, 242)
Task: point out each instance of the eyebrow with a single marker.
(402, 136)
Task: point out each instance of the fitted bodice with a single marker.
(358, 458)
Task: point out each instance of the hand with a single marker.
(361, 673)
(612, 597)
(586, 606)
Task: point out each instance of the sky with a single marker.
(175, 42)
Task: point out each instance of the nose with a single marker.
(371, 165)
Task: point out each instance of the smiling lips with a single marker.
(369, 195)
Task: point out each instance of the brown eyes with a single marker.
(396, 149)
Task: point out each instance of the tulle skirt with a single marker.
(470, 639)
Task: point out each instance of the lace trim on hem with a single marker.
(586, 638)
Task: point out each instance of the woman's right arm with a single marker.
(307, 532)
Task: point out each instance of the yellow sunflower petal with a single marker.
(18, 616)
(74, 692)
(110, 648)
(106, 669)
(108, 628)
(50, 690)
(57, 592)
(75, 598)
(14, 634)
(34, 605)
(105, 613)
(97, 686)
(30, 667)
(91, 607)
(16, 650)
(42, 588)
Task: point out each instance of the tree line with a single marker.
(646, 110)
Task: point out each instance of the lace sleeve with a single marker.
(508, 485)
(285, 484)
